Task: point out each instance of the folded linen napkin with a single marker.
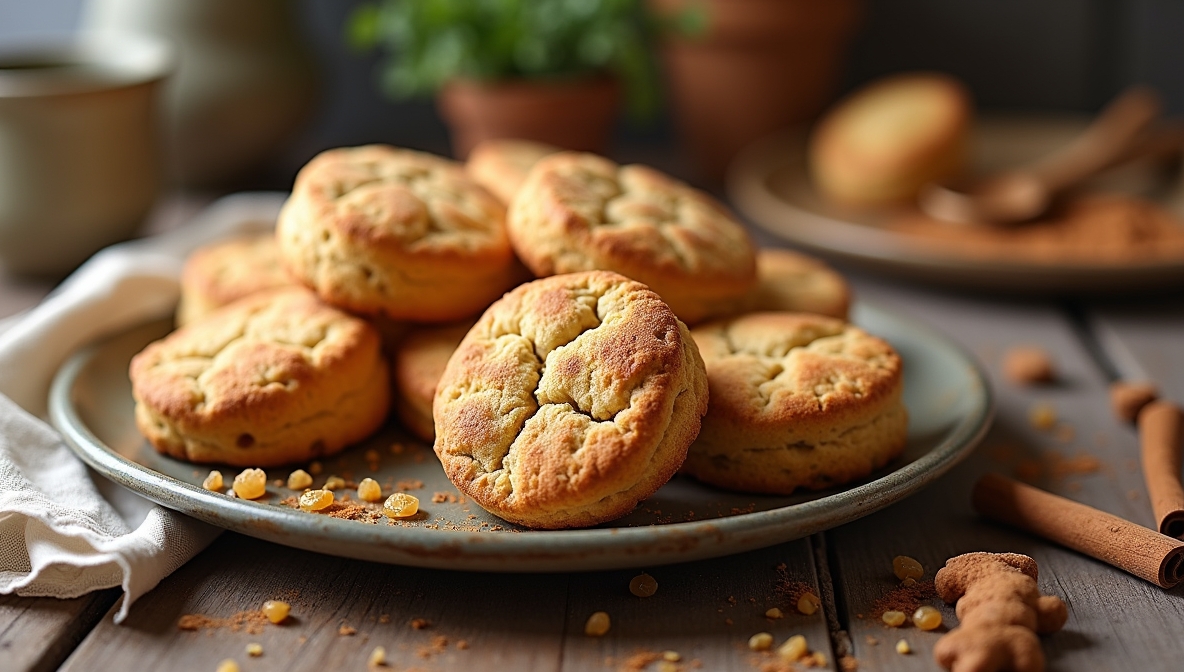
(62, 533)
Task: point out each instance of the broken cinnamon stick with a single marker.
(1132, 548)
(1159, 441)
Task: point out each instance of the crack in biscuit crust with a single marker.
(276, 377)
(573, 398)
(580, 212)
(798, 400)
(378, 229)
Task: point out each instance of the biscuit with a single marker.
(273, 378)
(580, 212)
(377, 229)
(501, 166)
(572, 399)
(792, 282)
(887, 140)
(797, 401)
(418, 362)
(223, 272)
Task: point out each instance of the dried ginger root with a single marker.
(1000, 610)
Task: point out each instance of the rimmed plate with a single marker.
(947, 396)
(770, 185)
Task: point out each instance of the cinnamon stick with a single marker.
(1145, 553)
(1159, 441)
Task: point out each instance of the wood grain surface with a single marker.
(703, 611)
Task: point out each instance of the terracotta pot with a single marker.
(763, 65)
(575, 114)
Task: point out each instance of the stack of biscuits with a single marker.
(398, 279)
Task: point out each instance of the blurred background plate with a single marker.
(770, 185)
(947, 396)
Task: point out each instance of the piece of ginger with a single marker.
(1000, 610)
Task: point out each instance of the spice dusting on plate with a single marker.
(1107, 229)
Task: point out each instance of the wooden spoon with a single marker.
(1024, 193)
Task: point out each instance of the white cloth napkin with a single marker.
(63, 534)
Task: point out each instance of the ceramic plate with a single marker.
(946, 394)
(769, 184)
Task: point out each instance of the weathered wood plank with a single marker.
(1145, 341)
(37, 633)
(1116, 621)
(704, 611)
(510, 622)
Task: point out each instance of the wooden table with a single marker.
(704, 611)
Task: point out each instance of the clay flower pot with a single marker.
(574, 114)
(761, 66)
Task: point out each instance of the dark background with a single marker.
(1064, 55)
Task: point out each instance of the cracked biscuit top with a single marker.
(378, 229)
(797, 401)
(223, 272)
(581, 212)
(273, 378)
(573, 398)
(774, 368)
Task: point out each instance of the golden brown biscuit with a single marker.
(572, 399)
(797, 401)
(377, 229)
(273, 378)
(223, 272)
(796, 283)
(501, 166)
(418, 363)
(884, 142)
(580, 212)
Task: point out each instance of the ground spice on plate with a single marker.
(1108, 229)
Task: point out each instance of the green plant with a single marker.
(433, 41)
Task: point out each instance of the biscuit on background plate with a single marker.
(797, 401)
(377, 229)
(418, 362)
(572, 399)
(274, 378)
(582, 212)
(501, 166)
(223, 272)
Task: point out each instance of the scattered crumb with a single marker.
(1028, 365)
(639, 661)
(1042, 416)
(462, 644)
(410, 484)
(384, 618)
(347, 630)
(871, 641)
(848, 664)
(1054, 465)
(420, 624)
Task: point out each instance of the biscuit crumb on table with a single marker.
(1028, 365)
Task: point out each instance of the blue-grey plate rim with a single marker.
(532, 551)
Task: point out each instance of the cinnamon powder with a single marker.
(904, 598)
(1091, 229)
(252, 622)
